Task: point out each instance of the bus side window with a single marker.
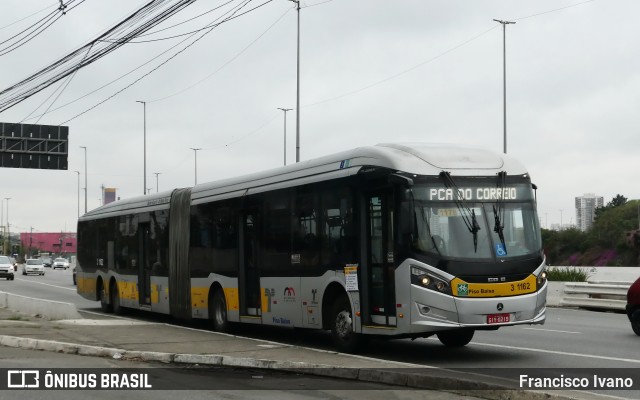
(306, 241)
(338, 236)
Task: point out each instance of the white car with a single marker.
(60, 263)
(33, 266)
(6, 268)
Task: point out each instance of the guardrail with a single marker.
(600, 295)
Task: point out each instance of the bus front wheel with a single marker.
(457, 338)
(218, 312)
(345, 339)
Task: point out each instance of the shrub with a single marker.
(567, 274)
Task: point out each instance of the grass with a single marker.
(568, 274)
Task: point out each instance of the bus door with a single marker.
(249, 276)
(144, 264)
(380, 273)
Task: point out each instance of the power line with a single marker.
(36, 29)
(135, 24)
(225, 64)
(554, 10)
(122, 76)
(404, 71)
(167, 60)
(29, 16)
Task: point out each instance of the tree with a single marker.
(617, 201)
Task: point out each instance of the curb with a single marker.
(409, 379)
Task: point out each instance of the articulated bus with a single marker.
(392, 240)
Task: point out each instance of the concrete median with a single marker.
(48, 309)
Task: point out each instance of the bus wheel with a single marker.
(115, 298)
(218, 312)
(635, 322)
(105, 305)
(457, 338)
(344, 338)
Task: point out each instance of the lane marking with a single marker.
(563, 353)
(552, 330)
(42, 283)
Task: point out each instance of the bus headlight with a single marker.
(429, 280)
(542, 278)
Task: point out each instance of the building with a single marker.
(586, 210)
(56, 243)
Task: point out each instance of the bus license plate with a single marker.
(498, 318)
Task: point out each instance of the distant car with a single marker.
(46, 262)
(6, 268)
(14, 262)
(74, 276)
(633, 306)
(60, 263)
(33, 266)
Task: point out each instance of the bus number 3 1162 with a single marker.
(522, 286)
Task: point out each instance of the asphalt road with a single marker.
(570, 338)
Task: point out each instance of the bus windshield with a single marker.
(470, 229)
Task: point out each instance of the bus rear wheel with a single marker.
(105, 305)
(457, 338)
(114, 294)
(218, 312)
(344, 338)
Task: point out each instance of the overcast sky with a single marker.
(372, 71)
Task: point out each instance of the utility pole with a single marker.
(144, 150)
(85, 178)
(504, 78)
(285, 132)
(78, 172)
(298, 86)
(195, 152)
(156, 174)
(8, 227)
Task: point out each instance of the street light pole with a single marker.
(504, 78)
(298, 86)
(285, 132)
(195, 152)
(8, 228)
(78, 172)
(85, 178)
(144, 108)
(156, 174)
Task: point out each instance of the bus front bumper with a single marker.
(448, 312)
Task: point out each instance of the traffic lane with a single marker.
(603, 334)
(221, 382)
(570, 338)
(54, 285)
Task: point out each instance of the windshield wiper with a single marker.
(499, 227)
(474, 230)
(465, 212)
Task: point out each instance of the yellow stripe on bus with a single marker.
(461, 288)
(233, 300)
(200, 297)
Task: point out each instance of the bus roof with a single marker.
(413, 158)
